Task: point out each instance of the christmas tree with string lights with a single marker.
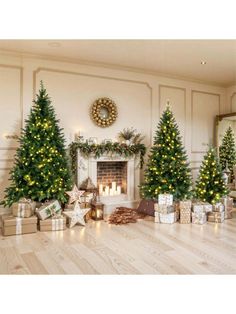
(41, 170)
(167, 169)
(210, 185)
(227, 151)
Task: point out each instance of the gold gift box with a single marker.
(23, 208)
(53, 224)
(216, 217)
(14, 225)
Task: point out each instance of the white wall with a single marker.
(140, 98)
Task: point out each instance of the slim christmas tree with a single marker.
(210, 185)
(228, 151)
(167, 169)
(41, 170)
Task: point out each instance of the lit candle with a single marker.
(118, 190)
(111, 191)
(100, 189)
(107, 190)
(113, 186)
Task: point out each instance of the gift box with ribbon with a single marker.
(218, 207)
(201, 207)
(164, 209)
(168, 218)
(199, 218)
(48, 209)
(165, 199)
(185, 211)
(24, 208)
(15, 225)
(55, 223)
(228, 204)
(216, 217)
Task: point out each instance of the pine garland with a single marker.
(98, 150)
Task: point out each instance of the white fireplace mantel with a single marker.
(87, 167)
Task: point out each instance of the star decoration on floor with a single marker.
(75, 194)
(76, 215)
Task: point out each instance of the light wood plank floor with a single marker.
(140, 248)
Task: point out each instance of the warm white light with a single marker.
(203, 62)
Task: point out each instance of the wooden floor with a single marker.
(140, 248)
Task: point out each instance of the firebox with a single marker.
(112, 177)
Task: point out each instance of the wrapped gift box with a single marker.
(199, 219)
(164, 209)
(24, 208)
(228, 204)
(185, 204)
(165, 199)
(48, 209)
(201, 207)
(168, 218)
(185, 211)
(216, 217)
(218, 207)
(146, 207)
(53, 224)
(15, 225)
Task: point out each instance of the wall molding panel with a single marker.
(215, 110)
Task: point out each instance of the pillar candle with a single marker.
(113, 186)
(100, 189)
(119, 190)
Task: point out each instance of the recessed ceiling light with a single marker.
(54, 44)
(203, 62)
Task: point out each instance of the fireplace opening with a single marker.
(112, 177)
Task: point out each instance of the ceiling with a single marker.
(175, 58)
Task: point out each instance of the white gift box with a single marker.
(165, 199)
(218, 207)
(202, 207)
(164, 209)
(199, 219)
(48, 209)
(168, 218)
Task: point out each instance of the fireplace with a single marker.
(112, 177)
(116, 177)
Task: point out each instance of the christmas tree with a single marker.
(167, 169)
(227, 151)
(210, 185)
(41, 169)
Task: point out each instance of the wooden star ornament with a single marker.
(75, 194)
(77, 215)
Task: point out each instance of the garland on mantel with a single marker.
(97, 150)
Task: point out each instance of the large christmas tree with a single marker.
(167, 169)
(227, 151)
(210, 185)
(41, 169)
